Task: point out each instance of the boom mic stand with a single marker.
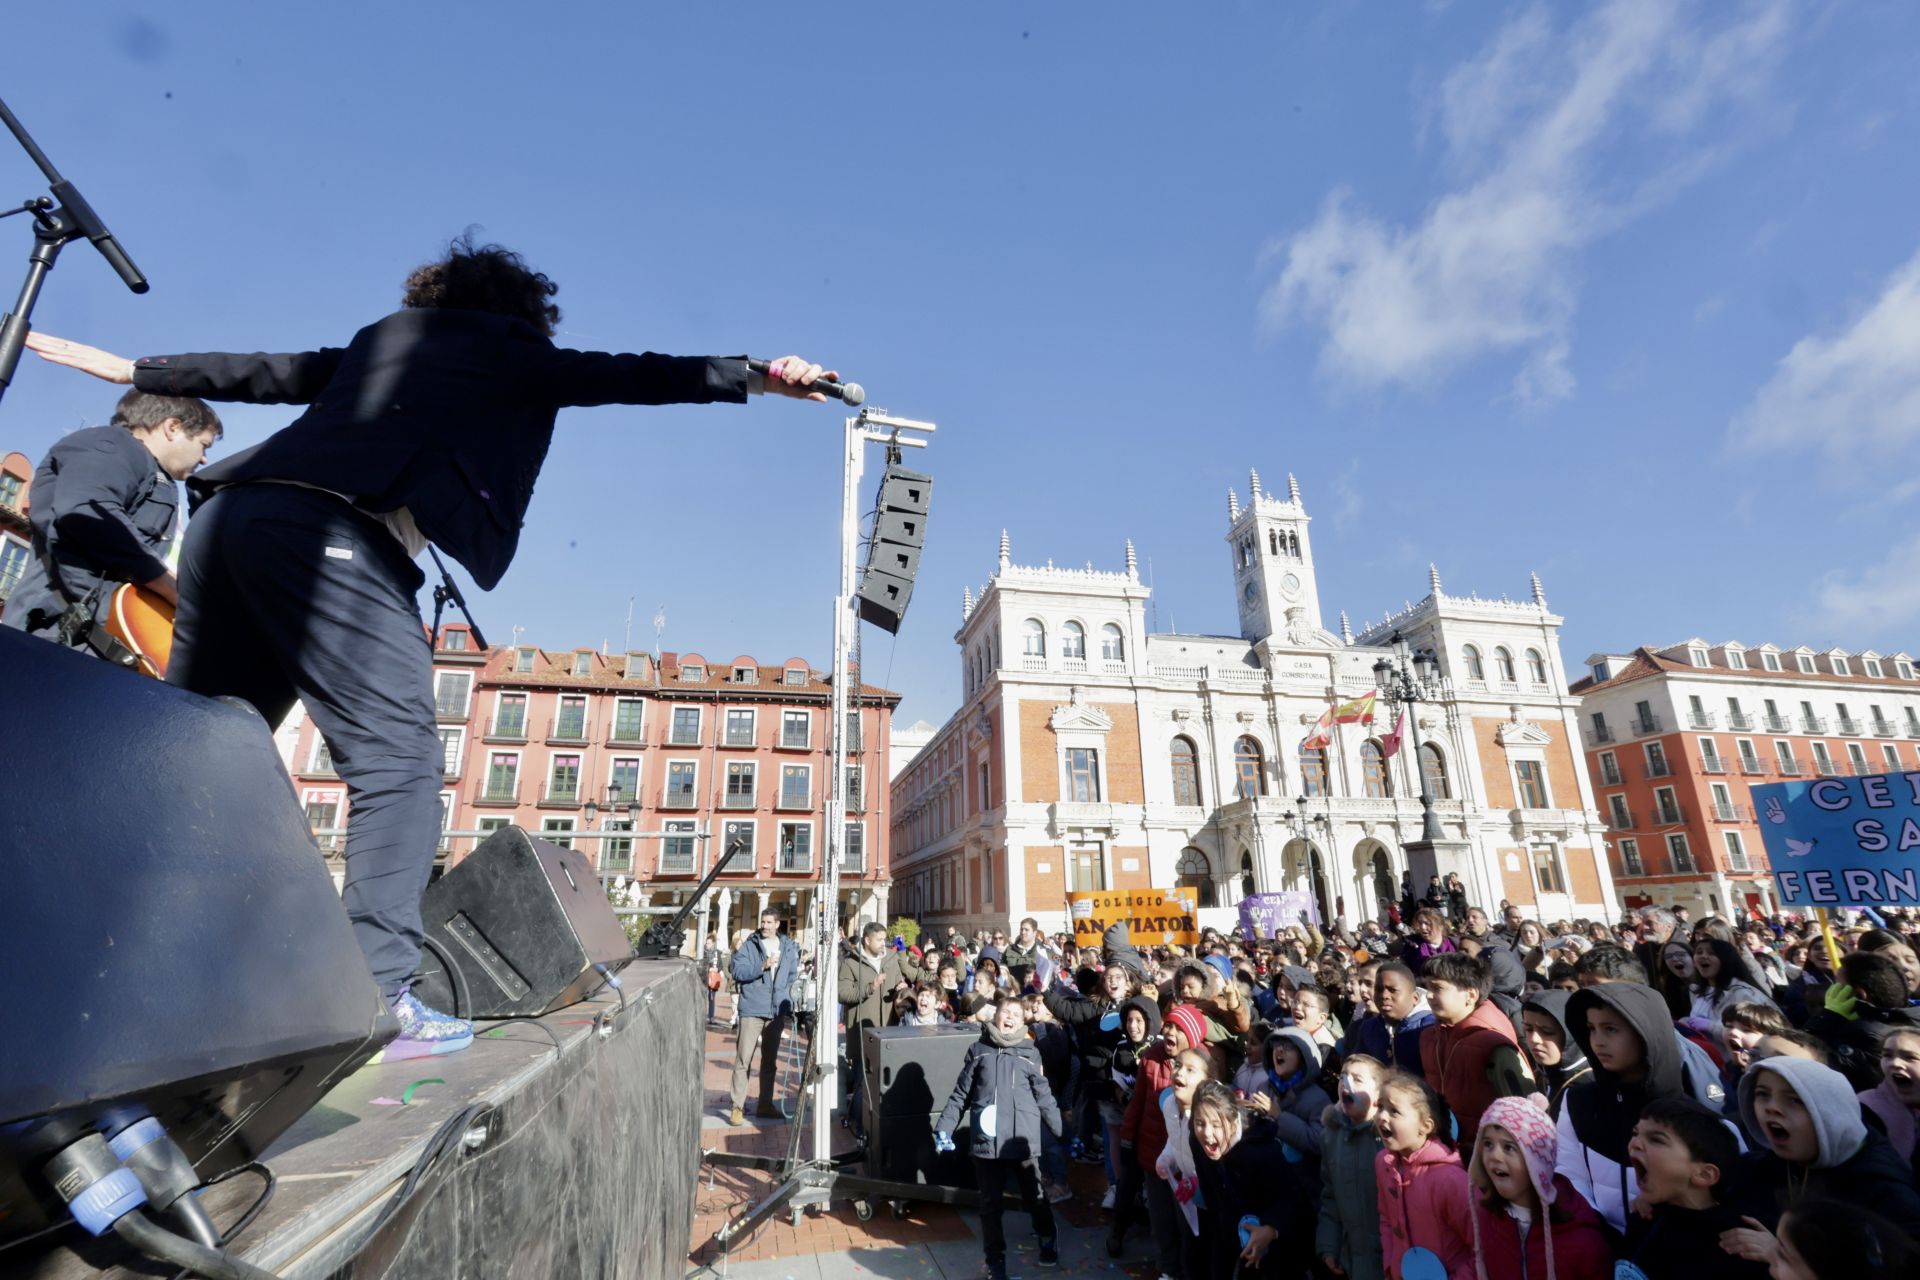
(56, 222)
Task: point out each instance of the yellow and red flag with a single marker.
(1353, 711)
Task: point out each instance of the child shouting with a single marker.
(1624, 1032)
(1684, 1158)
(1423, 1191)
(1004, 1090)
(1896, 1099)
(1527, 1219)
(1347, 1238)
(1293, 1099)
(1257, 1210)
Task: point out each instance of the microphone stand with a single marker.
(54, 226)
(447, 592)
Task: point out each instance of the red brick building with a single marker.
(16, 537)
(570, 741)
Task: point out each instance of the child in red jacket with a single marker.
(1423, 1190)
(1528, 1221)
(1143, 1133)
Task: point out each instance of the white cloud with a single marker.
(1883, 600)
(1557, 139)
(1856, 390)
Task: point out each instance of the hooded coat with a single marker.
(1509, 980)
(1597, 1115)
(1854, 1165)
(1095, 1020)
(1572, 1067)
(1124, 1064)
(1574, 1230)
(1425, 1200)
(1254, 1180)
(1395, 1043)
(1004, 1087)
(1348, 1229)
(1856, 1042)
(1299, 1103)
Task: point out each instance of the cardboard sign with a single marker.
(1154, 917)
(1263, 915)
(1843, 842)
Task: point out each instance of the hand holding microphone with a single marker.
(793, 376)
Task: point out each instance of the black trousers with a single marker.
(289, 593)
(991, 1177)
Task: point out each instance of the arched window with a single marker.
(1294, 539)
(1249, 769)
(1247, 885)
(1374, 782)
(1186, 772)
(1273, 542)
(1476, 669)
(1433, 767)
(1196, 873)
(1313, 771)
(1503, 663)
(1073, 641)
(1113, 646)
(1033, 638)
(1536, 667)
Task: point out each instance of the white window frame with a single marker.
(678, 828)
(600, 855)
(1736, 851)
(666, 780)
(1857, 757)
(851, 868)
(559, 830)
(780, 836)
(579, 773)
(736, 769)
(673, 725)
(1537, 668)
(1891, 754)
(561, 703)
(1630, 864)
(315, 750)
(459, 749)
(793, 677)
(1618, 810)
(499, 697)
(1554, 860)
(1710, 753)
(337, 797)
(1647, 752)
(1097, 745)
(1902, 669)
(639, 774)
(1032, 630)
(1804, 661)
(1699, 657)
(1112, 631)
(1671, 805)
(1675, 852)
(1610, 775)
(1841, 667)
(1872, 667)
(466, 699)
(780, 798)
(807, 716)
(726, 726)
(640, 728)
(1736, 660)
(487, 777)
(1530, 755)
(523, 660)
(1071, 629)
(1769, 662)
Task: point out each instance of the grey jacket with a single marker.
(1349, 1229)
(1003, 1091)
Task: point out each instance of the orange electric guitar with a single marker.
(142, 621)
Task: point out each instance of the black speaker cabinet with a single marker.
(516, 928)
(170, 941)
(910, 1072)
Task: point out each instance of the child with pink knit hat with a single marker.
(1528, 1221)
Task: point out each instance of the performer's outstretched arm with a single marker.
(286, 378)
(78, 355)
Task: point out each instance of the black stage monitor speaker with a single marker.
(910, 1072)
(170, 941)
(899, 533)
(517, 928)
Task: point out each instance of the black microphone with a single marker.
(88, 224)
(850, 392)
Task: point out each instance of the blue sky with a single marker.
(1627, 294)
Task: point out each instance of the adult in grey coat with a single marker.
(763, 967)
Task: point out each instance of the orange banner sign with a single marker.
(1154, 917)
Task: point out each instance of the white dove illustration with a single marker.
(1799, 848)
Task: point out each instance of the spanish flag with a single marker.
(1355, 711)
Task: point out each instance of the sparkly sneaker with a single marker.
(424, 1032)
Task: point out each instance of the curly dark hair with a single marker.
(484, 278)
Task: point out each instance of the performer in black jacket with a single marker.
(105, 510)
(298, 581)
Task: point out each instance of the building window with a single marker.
(796, 846)
(1698, 657)
(558, 830)
(503, 776)
(1872, 666)
(856, 789)
(10, 486)
(1609, 769)
(523, 660)
(1822, 762)
(450, 743)
(624, 780)
(323, 813)
(1618, 817)
(1433, 767)
(616, 855)
(686, 727)
(1033, 638)
(745, 675)
(571, 724)
(741, 779)
(856, 738)
(1736, 660)
(986, 786)
(13, 562)
(1249, 769)
(1530, 777)
(1073, 641)
(1892, 754)
(320, 759)
(510, 717)
(739, 728)
(693, 672)
(1503, 664)
(1536, 667)
(1677, 850)
(682, 778)
(1840, 667)
(487, 826)
(1769, 662)
(1086, 868)
(795, 728)
(1373, 772)
(1196, 873)
(796, 786)
(1476, 669)
(453, 640)
(676, 846)
(1313, 771)
(1548, 875)
(1805, 662)
(1857, 756)
(1657, 761)
(1113, 646)
(1710, 756)
(628, 715)
(1630, 858)
(563, 778)
(450, 689)
(1736, 852)
(1666, 809)
(583, 664)
(1083, 775)
(853, 855)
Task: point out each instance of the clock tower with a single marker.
(1272, 563)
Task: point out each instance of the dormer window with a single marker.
(1903, 669)
(746, 675)
(1698, 657)
(1736, 660)
(1840, 666)
(1601, 671)
(693, 673)
(1770, 661)
(1805, 662)
(795, 676)
(1873, 667)
(583, 664)
(523, 660)
(453, 641)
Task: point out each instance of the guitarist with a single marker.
(105, 509)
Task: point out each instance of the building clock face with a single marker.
(1251, 594)
(1290, 586)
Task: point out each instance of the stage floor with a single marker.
(586, 1112)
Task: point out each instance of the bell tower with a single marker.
(1273, 577)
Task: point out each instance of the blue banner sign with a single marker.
(1843, 842)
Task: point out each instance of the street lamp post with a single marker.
(1406, 680)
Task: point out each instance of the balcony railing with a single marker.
(1659, 769)
(560, 795)
(627, 735)
(1739, 721)
(507, 729)
(497, 793)
(567, 729)
(679, 800)
(1813, 724)
(1644, 725)
(1913, 728)
(1825, 768)
(1753, 766)
(731, 800)
(793, 741)
(1885, 729)
(1610, 777)
(1668, 815)
(1621, 821)
(1712, 764)
(791, 799)
(1792, 767)
(1778, 724)
(1849, 727)
(1701, 720)
(1729, 812)
(1600, 733)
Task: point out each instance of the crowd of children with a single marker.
(1460, 1102)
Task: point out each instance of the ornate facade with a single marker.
(1092, 753)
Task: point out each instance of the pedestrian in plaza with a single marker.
(764, 965)
(713, 963)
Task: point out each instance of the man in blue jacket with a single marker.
(764, 967)
(298, 581)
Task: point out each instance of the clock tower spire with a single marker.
(1273, 574)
